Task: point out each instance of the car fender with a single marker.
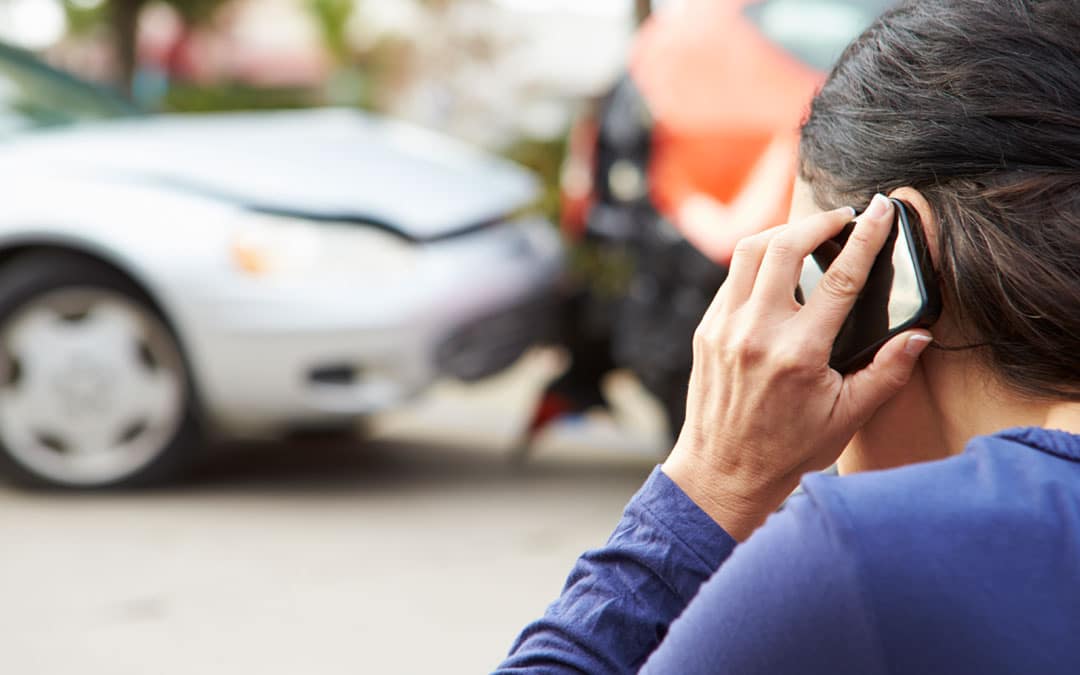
(174, 248)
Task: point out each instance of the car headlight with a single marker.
(271, 246)
(265, 245)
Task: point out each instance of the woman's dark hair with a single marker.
(976, 104)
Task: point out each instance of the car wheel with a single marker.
(94, 391)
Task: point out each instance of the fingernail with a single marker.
(879, 206)
(850, 209)
(916, 344)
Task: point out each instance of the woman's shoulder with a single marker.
(983, 543)
(1011, 483)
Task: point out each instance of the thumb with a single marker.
(868, 389)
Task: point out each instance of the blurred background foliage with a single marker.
(332, 17)
(224, 97)
(544, 157)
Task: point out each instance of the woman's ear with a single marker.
(915, 200)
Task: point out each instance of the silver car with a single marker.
(242, 275)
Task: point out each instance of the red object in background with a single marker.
(722, 96)
(719, 92)
(576, 177)
(551, 407)
(726, 104)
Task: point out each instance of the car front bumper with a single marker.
(270, 357)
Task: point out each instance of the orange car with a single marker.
(692, 150)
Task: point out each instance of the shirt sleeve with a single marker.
(620, 599)
(789, 600)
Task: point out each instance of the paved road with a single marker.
(399, 555)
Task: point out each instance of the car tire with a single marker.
(94, 389)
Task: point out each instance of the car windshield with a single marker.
(814, 31)
(34, 95)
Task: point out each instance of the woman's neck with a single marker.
(950, 399)
(974, 402)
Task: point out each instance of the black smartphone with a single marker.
(900, 293)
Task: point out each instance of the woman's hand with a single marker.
(764, 406)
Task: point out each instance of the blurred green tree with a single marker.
(348, 84)
(121, 17)
(124, 20)
(332, 17)
(83, 16)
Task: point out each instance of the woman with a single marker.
(955, 546)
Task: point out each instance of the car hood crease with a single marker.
(323, 164)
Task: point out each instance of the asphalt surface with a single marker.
(424, 550)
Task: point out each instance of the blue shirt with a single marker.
(965, 565)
